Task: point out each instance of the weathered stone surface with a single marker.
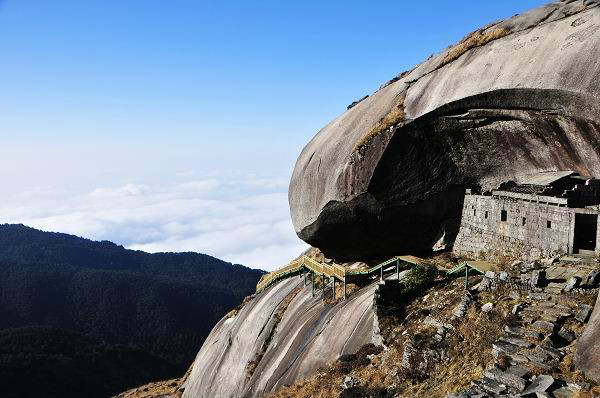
(540, 296)
(539, 384)
(517, 308)
(536, 356)
(504, 348)
(571, 284)
(310, 335)
(584, 313)
(516, 341)
(349, 382)
(537, 278)
(492, 386)
(522, 332)
(550, 351)
(593, 278)
(565, 392)
(525, 101)
(545, 326)
(587, 355)
(512, 377)
(518, 358)
(567, 335)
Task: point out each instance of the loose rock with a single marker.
(539, 384)
(487, 307)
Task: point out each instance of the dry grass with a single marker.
(594, 392)
(233, 313)
(327, 382)
(393, 118)
(476, 39)
(321, 385)
(444, 260)
(151, 390)
(171, 388)
(469, 349)
(314, 253)
(339, 292)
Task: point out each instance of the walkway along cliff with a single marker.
(287, 331)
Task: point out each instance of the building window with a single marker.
(548, 224)
(486, 214)
(524, 221)
(503, 215)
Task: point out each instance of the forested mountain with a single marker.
(101, 305)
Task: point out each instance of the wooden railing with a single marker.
(332, 270)
(335, 271)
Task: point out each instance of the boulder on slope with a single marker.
(514, 98)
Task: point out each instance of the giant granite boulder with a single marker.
(514, 98)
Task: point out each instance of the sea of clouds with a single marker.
(243, 220)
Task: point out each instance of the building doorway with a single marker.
(586, 230)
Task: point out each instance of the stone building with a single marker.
(550, 213)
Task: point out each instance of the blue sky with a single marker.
(139, 99)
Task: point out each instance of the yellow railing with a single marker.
(335, 270)
(331, 270)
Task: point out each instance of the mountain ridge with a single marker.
(162, 305)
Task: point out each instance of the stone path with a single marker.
(530, 349)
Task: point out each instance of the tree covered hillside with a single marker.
(159, 305)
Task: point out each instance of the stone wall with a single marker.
(496, 225)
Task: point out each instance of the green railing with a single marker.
(332, 271)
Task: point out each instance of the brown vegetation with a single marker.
(476, 39)
(233, 313)
(152, 390)
(393, 118)
(593, 392)
(167, 388)
(468, 348)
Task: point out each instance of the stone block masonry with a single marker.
(523, 227)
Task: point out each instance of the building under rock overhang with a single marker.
(550, 213)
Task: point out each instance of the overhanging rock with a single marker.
(517, 97)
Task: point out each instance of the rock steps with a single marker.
(536, 342)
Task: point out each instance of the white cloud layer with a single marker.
(243, 221)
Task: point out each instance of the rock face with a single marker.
(587, 356)
(517, 97)
(281, 336)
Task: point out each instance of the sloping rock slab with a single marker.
(309, 335)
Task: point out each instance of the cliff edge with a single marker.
(280, 336)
